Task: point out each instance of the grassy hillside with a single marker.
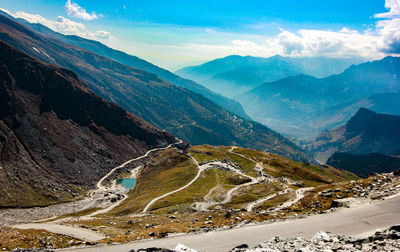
(172, 169)
(182, 211)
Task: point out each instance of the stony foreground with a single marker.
(387, 240)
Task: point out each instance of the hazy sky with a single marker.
(173, 34)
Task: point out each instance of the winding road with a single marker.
(81, 233)
(204, 206)
(201, 169)
(300, 193)
(253, 204)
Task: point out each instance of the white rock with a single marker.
(183, 248)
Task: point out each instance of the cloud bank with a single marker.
(74, 10)
(62, 25)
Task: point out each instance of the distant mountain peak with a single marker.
(363, 110)
(234, 74)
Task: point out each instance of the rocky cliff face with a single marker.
(57, 138)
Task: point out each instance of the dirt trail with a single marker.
(300, 193)
(253, 204)
(204, 206)
(201, 169)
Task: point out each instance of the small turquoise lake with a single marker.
(127, 183)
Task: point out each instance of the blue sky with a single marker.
(176, 33)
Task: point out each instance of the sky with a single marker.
(174, 34)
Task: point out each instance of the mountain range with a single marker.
(133, 61)
(57, 138)
(188, 115)
(366, 132)
(234, 75)
(303, 105)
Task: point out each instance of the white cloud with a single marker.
(63, 25)
(343, 43)
(303, 43)
(394, 9)
(196, 46)
(190, 45)
(74, 10)
(390, 31)
(383, 39)
(389, 28)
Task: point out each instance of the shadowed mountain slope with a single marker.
(366, 132)
(364, 165)
(57, 138)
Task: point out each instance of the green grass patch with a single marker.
(194, 193)
(168, 171)
(309, 174)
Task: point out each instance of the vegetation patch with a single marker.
(11, 238)
(253, 192)
(275, 201)
(167, 171)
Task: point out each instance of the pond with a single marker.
(127, 183)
